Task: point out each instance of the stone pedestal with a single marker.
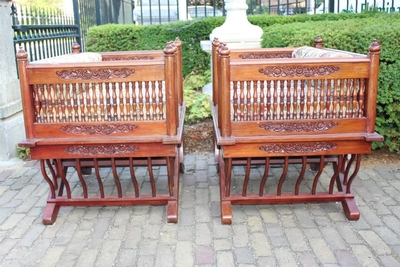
(237, 31)
(11, 119)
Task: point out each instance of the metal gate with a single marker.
(43, 33)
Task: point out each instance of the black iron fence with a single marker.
(50, 32)
(43, 33)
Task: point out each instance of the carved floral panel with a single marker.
(299, 71)
(104, 129)
(290, 148)
(96, 150)
(101, 74)
(298, 126)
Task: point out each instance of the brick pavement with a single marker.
(274, 235)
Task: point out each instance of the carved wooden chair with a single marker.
(292, 107)
(114, 110)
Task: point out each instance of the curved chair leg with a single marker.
(350, 209)
(50, 213)
(172, 211)
(226, 212)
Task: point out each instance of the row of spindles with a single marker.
(99, 102)
(297, 99)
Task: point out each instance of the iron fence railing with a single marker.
(50, 32)
(43, 33)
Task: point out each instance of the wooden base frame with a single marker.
(345, 169)
(64, 192)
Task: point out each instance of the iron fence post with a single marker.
(77, 22)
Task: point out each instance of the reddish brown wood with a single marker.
(269, 108)
(124, 111)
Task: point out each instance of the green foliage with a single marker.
(23, 152)
(136, 37)
(197, 104)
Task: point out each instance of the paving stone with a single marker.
(322, 251)
(260, 245)
(375, 242)
(222, 244)
(244, 255)
(164, 257)
(240, 236)
(389, 261)
(203, 235)
(148, 247)
(308, 260)
(109, 253)
(285, 257)
(127, 257)
(225, 258)
(333, 238)
(345, 258)
(182, 254)
(202, 213)
(5, 174)
(296, 239)
(204, 255)
(185, 234)
(364, 256)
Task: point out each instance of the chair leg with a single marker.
(226, 212)
(350, 209)
(172, 211)
(50, 213)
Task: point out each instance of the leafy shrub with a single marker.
(23, 152)
(197, 104)
(113, 37)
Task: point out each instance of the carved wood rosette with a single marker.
(298, 148)
(298, 126)
(299, 71)
(104, 129)
(100, 150)
(266, 55)
(101, 74)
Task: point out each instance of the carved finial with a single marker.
(318, 42)
(178, 42)
(76, 48)
(375, 46)
(21, 54)
(170, 48)
(216, 42)
(224, 50)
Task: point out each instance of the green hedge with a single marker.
(131, 37)
(351, 32)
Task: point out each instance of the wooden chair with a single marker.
(270, 108)
(95, 110)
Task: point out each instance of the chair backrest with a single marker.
(119, 96)
(289, 89)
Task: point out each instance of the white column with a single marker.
(182, 9)
(11, 119)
